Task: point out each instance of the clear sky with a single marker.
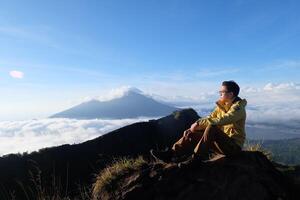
(53, 54)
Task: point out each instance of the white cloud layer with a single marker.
(115, 93)
(31, 135)
(274, 102)
(16, 74)
(282, 86)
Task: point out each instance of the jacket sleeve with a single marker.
(203, 122)
(234, 114)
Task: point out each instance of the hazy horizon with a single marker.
(264, 120)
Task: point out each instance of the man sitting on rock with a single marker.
(222, 132)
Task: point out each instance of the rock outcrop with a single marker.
(77, 163)
(249, 175)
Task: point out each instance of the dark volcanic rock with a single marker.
(249, 175)
(77, 163)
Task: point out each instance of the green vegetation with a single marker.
(57, 189)
(42, 186)
(108, 178)
(286, 151)
(39, 189)
(252, 146)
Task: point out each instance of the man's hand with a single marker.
(194, 127)
(187, 132)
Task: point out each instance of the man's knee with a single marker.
(210, 131)
(211, 128)
(186, 133)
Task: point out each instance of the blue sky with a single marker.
(69, 50)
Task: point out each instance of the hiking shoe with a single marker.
(164, 155)
(192, 162)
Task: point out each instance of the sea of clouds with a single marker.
(273, 112)
(31, 135)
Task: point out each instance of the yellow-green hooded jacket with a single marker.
(230, 118)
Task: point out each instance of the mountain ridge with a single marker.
(84, 159)
(130, 105)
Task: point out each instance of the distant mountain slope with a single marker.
(286, 151)
(131, 105)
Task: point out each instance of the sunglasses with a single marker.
(223, 92)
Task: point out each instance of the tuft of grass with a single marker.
(107, 180)
(258, 147)
(176, 115)
(38, 189)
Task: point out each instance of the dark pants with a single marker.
(202, 142)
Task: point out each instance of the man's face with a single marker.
(225, 96)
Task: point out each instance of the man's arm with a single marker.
(202, 123)
(234, 114)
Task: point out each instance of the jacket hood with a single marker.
(242, 102)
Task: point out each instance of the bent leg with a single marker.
(218, 141)
(225, 145)
(186, 144)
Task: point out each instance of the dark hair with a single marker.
(232, 87)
